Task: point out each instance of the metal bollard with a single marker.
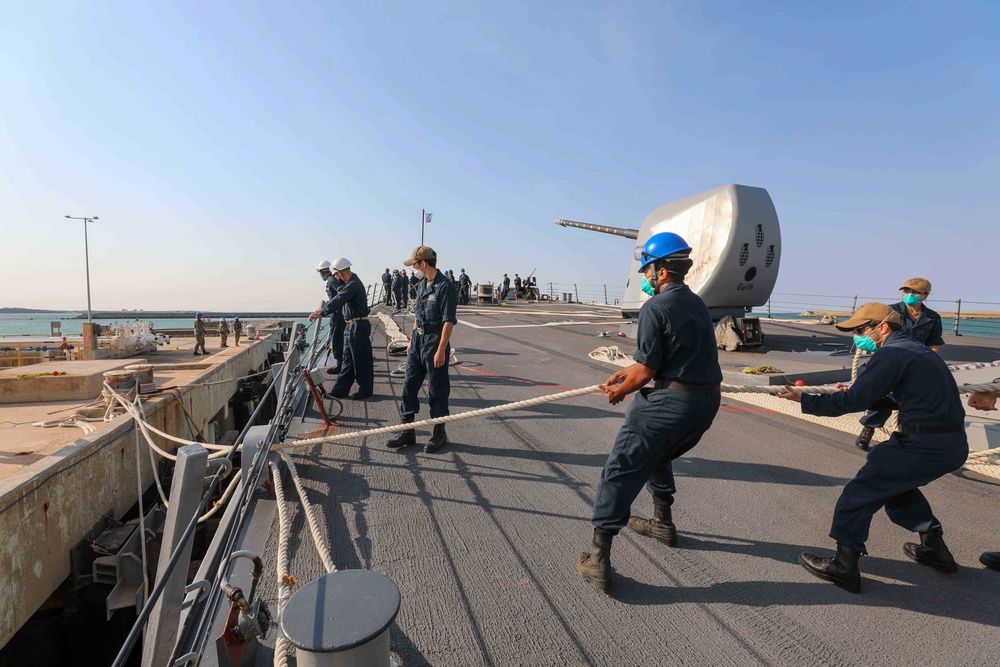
(342, 619)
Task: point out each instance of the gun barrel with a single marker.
(615, 231)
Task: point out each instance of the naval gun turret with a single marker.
(736, 243)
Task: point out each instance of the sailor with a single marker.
(987, 401)
(387, 287)
(337, 324)
(404, 287)
(517, 286)
(414, 281)
(930, 442)
(223, 331)
(455, 287)
(677, 349)
(428, 353)
(464, 286)
(919, 323)
(356, 361)
(237, 330)
(199, 335)
(398, 285)
(506, 288)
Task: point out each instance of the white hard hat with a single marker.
(340, 264)
(325, 264)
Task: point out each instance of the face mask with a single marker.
(865, 343)
(647, 287)
(418, 273)
(911, 299)
(322, 277)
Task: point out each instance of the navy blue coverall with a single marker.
(387, 288)
(357, 362)
(435, 305)
(399, 290)
(927, 330)
(931, 441)
(676, 337)
(337, 324)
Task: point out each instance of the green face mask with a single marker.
(322, 277)
(911, 299)
(647, 287)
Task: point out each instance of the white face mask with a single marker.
(418, 273)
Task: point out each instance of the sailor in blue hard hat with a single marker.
(199, 335)
(676, 349)
(237, 330)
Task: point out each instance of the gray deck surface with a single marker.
(482, 537)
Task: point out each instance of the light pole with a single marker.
(86, 253)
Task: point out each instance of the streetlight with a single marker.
(86, 253)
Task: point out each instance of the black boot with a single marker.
(991, 559)
(661, 527)
(438, 439)
(841, 570)
(595, 566)
(404, 438)
(865, 439)
(932, 551)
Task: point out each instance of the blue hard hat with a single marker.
(660, 246)
(198, 315)
(236, 318)
(463, 270)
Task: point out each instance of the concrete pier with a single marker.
(56, 484)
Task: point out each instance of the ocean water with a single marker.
(38, 324)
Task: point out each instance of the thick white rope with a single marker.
(286, 582)
(322, 546)
(484, 412)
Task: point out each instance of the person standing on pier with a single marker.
(337, 324)
(387, 287)
(237, 330)
(357, 361)
(929, 443)
(429, 351)
(506, 288)
(414, 281)
(676, 348)
(919, 323)
(199, 335)
(223, 332)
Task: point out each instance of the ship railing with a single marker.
(960, 317)
(207, 593)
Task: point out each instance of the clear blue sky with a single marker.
(229, 146)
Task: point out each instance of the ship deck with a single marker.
(482, 536)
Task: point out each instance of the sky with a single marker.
(228, 147)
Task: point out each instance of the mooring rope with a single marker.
(322, 546)
(286, 582)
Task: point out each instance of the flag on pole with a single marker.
(427, 218)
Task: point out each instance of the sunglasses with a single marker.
(860, 331)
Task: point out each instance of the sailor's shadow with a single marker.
(967, 595)
(740, 471)
(343, 489)
(402, 646)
